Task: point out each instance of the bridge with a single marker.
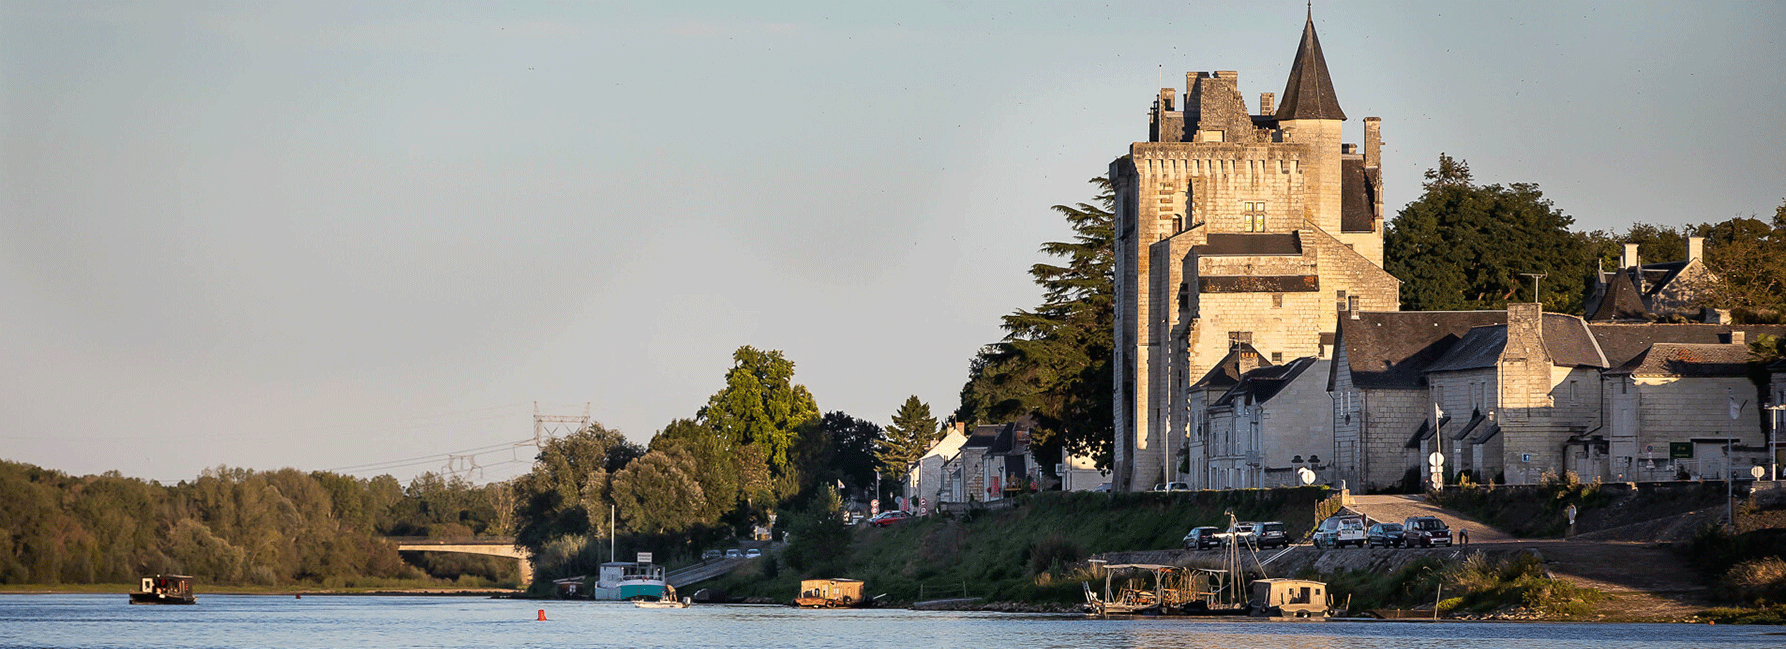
(489, 546)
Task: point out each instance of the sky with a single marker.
(370, 236)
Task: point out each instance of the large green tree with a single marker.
(1748, 257)
(1463, 246)
(1054, 363)
(909, 436)
(568, 486)
(850, 452)
(761, 405)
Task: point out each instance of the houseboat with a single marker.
(634, 580)
(165, 589)
(1289, 598)
(831, 593)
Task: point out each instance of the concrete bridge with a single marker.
(490, 546)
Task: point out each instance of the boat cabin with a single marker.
(830, 593)
(1289, 598)
(165, 589)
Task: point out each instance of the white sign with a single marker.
(1305, 475)
(1757, 471)
(644, 557)
(1436, 459)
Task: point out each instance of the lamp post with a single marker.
(1773, 468)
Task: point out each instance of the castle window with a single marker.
(1253, 215)
(1277, 357)
(1238, 337)
(1277, 300)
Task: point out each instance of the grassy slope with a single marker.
(991, 552)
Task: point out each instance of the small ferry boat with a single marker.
(831, 593)
(668, 600)
(165, 589)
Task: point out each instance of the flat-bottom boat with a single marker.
(165, 589)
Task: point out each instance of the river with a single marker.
(98, 621)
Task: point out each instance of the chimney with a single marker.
(1737, 337)
(1695, 248)
(1348, 148)
(1715, 316)
(1373, 142)
(1630, 257)
(1267, 103)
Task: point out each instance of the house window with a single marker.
(1277, 357)
(1253, 215)
(1238, 337)
(1277, 300)
(1571, 393)
(1339, 298)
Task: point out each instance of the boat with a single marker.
(1289, 598)
(668, 600)
(832, 593)
(165, 589)
(1157, 589)
(634, 580)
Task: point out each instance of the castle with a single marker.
(1236, 232)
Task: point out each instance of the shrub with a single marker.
(1757, 579)
(1053, 552)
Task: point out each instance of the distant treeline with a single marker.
(238, 526)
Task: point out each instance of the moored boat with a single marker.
(831, 593)
(668, 600)
(165, 589)
(634, 580)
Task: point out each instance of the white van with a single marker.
(1339, 531)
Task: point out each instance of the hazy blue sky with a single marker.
(323, 235)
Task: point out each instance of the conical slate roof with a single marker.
(1309, 92)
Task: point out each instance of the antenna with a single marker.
(1535, 277)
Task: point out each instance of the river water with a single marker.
(390, 622)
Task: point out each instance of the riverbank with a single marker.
(280, 591)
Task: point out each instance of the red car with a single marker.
(885, 519)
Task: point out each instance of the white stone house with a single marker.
(926, 479)
(1274, 421)
(1684, 411)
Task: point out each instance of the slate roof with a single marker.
(1392, 349)
(1426, 430)
(1623, 341)
(1308, 94)
(1266, 382)
(1358, 200)
(983, 436)
(1687, 359)
(1566, 340)
(1237, 245)
(1226, 372)
(1621, 301)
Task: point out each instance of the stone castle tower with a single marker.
(1231, 228)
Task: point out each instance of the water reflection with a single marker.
(104, 621)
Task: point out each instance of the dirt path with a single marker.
(1395, 509)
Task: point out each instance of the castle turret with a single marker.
(1309, 114)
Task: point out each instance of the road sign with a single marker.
(1436, 459)
(1305, 475)
(1757, 471)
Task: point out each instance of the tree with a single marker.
(1054, 363)
(569, 484)
(1463, 246)
(909, 436)
(761, 405)
(658, 494)
(851, 452)
(1749, 259)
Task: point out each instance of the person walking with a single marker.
(1463, 536)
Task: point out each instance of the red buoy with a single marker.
(542, 615)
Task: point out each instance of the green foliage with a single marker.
(658, 494)
(1749, 259)
(761, 405)
(909, 436)
(1054, 362)
(818, 538)
(850, 453)
(1462, 246)
(1519, 581)
(1527, 511)
(568, 486)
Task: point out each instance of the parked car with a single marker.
(1103, 488)
(1244, 533)
(1270, 534)
(734, 553)
(1388, 535)
(1172, 486)
(1202, 538)
(711, 555)
(1425, 531)
(889, 518)
(752, 553)
(1339, 531)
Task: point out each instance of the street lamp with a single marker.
(1773, 469)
